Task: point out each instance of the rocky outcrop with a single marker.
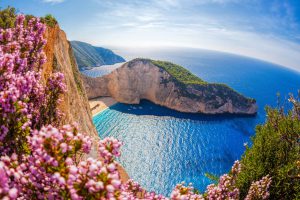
(74, 106)
(141, 79)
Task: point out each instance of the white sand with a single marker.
(99, 104)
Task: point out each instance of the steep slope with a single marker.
(74, 105)
(74, 102)
(88, 56)
(168, 85)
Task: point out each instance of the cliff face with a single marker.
(74, 105)
(74, 102)
(141, 79)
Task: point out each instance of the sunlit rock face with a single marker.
(141, 79)
(74, 104)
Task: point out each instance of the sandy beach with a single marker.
(99, 104)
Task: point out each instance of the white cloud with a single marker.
(53, 1)
(264, 47)
(158, 23)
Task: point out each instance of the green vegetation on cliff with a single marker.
(184, 78)
(8, 18)
(49, 20)
(76, 72)
(275, 151)
(88, 56)
(179, 73)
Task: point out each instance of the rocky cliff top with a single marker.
(169, 85)
(178, 73)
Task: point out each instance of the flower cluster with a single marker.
(259, 189)
(54, 169)
(296, 106)
(226, 186)
(131, 190)
(109, 148)
(153, 196)
(23, 96)
(11, 177)
(185, 193)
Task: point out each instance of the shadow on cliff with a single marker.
(148, 108)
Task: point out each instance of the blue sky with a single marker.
(264, 29)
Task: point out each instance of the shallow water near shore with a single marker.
(164, 147)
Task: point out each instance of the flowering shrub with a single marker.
(226, 186)
(259, 189)
(182, 192)
(40, 161)
(275, 151)
(25, 103)
(53, 170)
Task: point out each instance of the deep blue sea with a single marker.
(164, 147)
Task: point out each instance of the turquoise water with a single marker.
(163, 147)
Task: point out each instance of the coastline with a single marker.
(99, 104)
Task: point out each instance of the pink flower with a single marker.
(64, 147)
(110, 188)
(69, 161)
(13, 193)
(111, 167)
(116, 183)
(73, 169)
